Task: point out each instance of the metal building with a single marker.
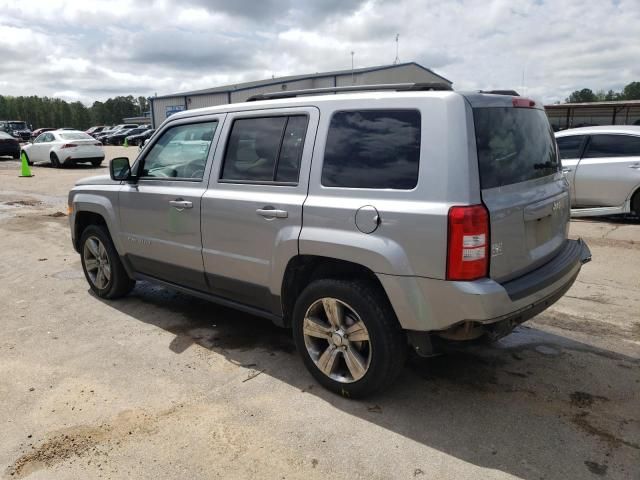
(572, 115)
(166, 105)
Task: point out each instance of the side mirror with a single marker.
(119, 169)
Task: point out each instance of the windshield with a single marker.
(17, 126)
(75, 136)
(514, 145)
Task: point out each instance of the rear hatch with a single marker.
(521, 184)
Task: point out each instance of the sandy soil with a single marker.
(161, 385)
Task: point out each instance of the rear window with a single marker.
(514, 145)
(373, 149)
(76, 136)
(613, 146)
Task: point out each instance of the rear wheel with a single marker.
(348, 337)
(55, 161)
(96, 163)
(101, 264)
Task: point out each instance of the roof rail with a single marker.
(398, 87)
(511, 93)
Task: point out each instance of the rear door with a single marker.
(609, 170)
(522, 186)
(252, 210)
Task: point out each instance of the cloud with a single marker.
(92, 50)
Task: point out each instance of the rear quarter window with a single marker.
(373, 149)
(514, 145)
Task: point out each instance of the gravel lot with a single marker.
(161, 385)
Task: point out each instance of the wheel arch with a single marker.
(89, 209)
(301, 270)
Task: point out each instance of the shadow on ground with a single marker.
(535, 405)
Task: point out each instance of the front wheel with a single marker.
(55, 161)
(101, 264)
(348, 336)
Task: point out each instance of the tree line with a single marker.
(631, 91)
(56, 113)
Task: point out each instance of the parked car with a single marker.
(118, 137)
(38, 131)
(9, 146)
(602, 165)
(65, 148)
(140, 138)
(93, 131)
(418, 227)
(17, 129)
(102, 136)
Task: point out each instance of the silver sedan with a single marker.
(602, 165)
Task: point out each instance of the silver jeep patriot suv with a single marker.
(370, 222)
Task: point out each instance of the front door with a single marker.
(570, 149)
(39, 150)
(609, 170)
(160, 214)
(252, 210)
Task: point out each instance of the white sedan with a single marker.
(65, 147)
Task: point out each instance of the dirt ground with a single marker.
(161, 385)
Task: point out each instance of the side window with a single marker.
(48, 137)
(40, 138)
(373, 149)
(613, 146)
(570, 146)
(181, 152)
(265, 149)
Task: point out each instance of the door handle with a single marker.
(566, 169)
(635, 166)
(181, 204)
(270, 212)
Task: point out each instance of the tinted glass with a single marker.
(514, 145)
(181, 152)
(252, 149)
(613, 146)
(570, 146)
(291, 151)
(373, 149)
(76, 136)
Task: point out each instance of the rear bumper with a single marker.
(426, 304)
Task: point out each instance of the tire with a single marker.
(16, 156)
(635, 203)
(55, 162)
(96, 163)
(96, 246)
(380, 358)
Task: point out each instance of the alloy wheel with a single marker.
(96, 262)
(337, 340)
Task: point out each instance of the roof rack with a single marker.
(398, 87)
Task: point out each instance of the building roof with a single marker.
(629, 129)
(612, 103)
(292, 78)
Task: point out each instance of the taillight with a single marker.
(69, 145)
(468, 247)
(523, 102)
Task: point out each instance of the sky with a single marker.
(91, 49)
